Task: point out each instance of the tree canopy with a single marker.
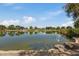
(72, 10)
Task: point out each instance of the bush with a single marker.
(70, 33)
(76, 31)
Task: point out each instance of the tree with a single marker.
(62, 27)
(76, 24)
(48, 27)
(72, 10)
(58, 27)
(70, 33)
(18, 27)
(68, 27)
(21, 27)
(11, 27)
(2, 27)
(30, 27)
(36, 27)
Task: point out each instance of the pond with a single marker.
(29, 40)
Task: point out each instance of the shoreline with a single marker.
(66, 49)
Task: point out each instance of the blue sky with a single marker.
(30, 14)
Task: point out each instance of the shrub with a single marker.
(76, 31)
(70, 33)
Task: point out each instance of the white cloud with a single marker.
(9, 22)
(24, 21)
(69, 23)
(29, 19)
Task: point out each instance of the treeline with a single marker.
(10, 27)
(13, 27)
(68, 31)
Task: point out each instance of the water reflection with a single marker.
(35, 32)
(32, 40)
(19, 33)
(49, 32)
(11, 33)
(30, 33)
(2, 34)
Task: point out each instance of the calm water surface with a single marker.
(30, 40)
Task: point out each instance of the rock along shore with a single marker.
(66, 49)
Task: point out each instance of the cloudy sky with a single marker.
(29, 14)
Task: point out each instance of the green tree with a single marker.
(18, 27)
(36, 27)
(62, 27)
(68, 27)
(2, 27)
(58, 27)
(21, 27)
(70, 33)
(30, 27)
(48, 27)
(76, 24)
(72, 10)
(11, 27)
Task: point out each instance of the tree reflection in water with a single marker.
(2, 34)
